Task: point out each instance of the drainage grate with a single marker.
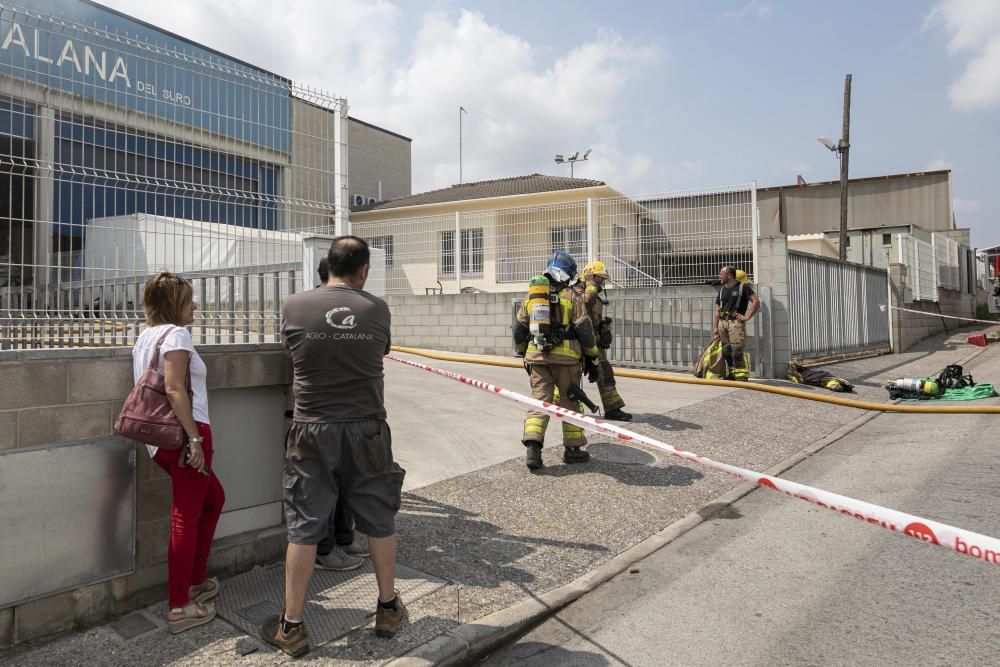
(337, 603)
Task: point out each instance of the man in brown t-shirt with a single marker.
(339, 445)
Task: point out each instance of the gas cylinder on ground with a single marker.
(916, 386)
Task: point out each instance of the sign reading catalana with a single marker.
(122, 62)
(88, 61)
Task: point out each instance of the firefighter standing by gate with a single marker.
(590, 288)
(555, 337)
(735, 305)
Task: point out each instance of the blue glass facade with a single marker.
(127, 64)
(103, 168)
(104, 171)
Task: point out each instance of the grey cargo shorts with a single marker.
(348, 460)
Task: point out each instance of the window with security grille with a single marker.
(571, 239)
(472, 253)
(383, 243)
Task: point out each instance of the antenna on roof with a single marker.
(575, 157)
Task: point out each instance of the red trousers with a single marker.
(198, 501)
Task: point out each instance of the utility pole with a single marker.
(844, 150)
(461, 110)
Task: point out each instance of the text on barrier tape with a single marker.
(965, 542)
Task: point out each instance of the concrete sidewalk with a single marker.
(474, 516)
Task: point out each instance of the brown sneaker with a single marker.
(387, 621)
(295, 642)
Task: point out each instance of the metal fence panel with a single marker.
(946, 260)
(921, 267)
(836, 306)
(136, 152)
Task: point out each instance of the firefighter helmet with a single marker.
(596, 268)
(561, 267)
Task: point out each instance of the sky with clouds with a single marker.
(669, 95)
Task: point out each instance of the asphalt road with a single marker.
(774, 581)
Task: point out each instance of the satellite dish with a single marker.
(587, 154)
(829, 144)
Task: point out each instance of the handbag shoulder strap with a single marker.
(154, 361)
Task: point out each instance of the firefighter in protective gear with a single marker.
(590, 288)
(735, 305)
(555, 362)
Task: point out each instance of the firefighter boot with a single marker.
(575, 455)
(534, 456)
(618, 415)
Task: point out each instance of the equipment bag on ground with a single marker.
(712, 363)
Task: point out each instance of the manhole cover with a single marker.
(337, 602)
(623, 454)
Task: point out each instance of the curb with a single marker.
(470, 642)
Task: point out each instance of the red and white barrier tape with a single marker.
(965, 542)
(882, 307)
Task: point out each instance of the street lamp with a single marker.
(575, 157)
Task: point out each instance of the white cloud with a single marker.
(973, 27)
(524, 106)
(938, 165)
(752, 8)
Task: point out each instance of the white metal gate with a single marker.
(836, 307)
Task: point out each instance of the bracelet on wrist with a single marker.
(196, 440)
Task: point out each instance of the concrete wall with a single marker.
(772, 280)
(908, 329)
(478, 323)
(51, 397)
(376, 155)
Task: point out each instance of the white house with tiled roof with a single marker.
(507, 229)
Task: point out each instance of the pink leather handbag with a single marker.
(147, 416)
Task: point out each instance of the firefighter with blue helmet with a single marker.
(556, 338)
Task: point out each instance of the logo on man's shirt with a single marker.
(341, 318)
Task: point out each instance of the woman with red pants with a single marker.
(197, 494)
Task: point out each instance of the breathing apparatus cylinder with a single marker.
(539, 310)
(916, 386)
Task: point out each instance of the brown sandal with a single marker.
(195, 614)
(205, 594)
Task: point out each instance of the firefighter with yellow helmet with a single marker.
(555, 337)
(590, 288)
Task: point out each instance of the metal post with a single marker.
(845, 148)
(591, 235)
(755, 224)
(888, 306)
(342, 203)
(44, 199)
(458, 252)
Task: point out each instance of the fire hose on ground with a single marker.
(730, 384)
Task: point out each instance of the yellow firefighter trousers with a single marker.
(545, 380)
(610, 398)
